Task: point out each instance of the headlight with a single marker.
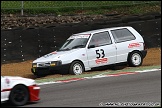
(56, 63)
(34, 65)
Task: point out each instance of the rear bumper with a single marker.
(144, 52)
(34, 91)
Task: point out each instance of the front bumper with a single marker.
(39, 71)
(34, 91)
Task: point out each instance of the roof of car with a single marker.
(100, 30)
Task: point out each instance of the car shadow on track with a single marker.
(110, 67)
(7, 104)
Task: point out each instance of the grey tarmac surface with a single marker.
(135, 88)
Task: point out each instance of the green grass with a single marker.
(57, 4)
(73, 7)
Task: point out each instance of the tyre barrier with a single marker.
(21, 44)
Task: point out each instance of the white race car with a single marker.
(18, 90)
(87, 50)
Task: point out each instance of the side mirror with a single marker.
(91, 46)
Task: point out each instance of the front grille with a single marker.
(43, 64)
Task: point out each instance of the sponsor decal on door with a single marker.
(101, 60)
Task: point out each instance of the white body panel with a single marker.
(108, 51)
(122, 48)
(8, 82)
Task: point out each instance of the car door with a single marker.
(123, 38)
(101, 51)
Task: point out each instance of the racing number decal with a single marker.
(100, 57)
(102, 54)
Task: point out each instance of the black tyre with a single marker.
(19, 95)
(135, 59)
(76, 68)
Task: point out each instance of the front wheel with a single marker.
(19, 95)
(135, 59)
(76, 68)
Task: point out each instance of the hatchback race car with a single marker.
(18, 90)
(84, 51)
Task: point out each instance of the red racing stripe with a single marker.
(8, 89)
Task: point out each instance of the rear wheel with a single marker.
(76, 68)
(19, 95)
(135, 59)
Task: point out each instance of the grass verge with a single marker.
(106, 72)
(81, 7)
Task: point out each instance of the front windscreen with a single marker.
(75, 41)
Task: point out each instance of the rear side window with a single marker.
(121, 35)
(100, 39)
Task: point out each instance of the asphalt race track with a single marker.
(132, 89)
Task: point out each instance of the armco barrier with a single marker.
(28, 44)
